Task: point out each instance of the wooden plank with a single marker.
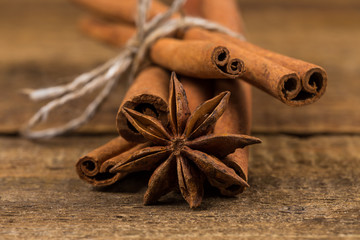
(300, 188)
(47, 49)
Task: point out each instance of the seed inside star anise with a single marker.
(185, 153)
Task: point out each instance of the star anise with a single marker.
(185, 153)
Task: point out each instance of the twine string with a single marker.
(132, 56)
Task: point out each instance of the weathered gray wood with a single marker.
(303, 188)
(40, 45)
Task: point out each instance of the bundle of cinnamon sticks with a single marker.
(208, 63)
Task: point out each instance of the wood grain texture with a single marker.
(300, 188)
(46, 49)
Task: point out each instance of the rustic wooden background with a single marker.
(304, 177)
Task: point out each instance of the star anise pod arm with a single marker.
(204, 118)
(228, 142)
(190, 181)
(150, 127)
(186, 153)
(162, 181)
(179, 111)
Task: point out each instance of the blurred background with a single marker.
(41, 45)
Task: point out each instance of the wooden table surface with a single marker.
(304, 177)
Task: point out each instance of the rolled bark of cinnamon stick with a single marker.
(88, 167)
(236, 119)
(238, 115)
(224, 12)
(116, 34)
(123, 10)
(313, 78)
(193, 8)
(148, 94)
(198, 59)
(269, 76)
(293, 81)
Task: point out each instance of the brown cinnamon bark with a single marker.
(147, 94)
(116, 34)
(224, 12)
(280, 82)
(237, 118)
(292, 81)
(313, 78)
(198, 59)
(271, 77)
(193, 8)
(123, 10)
(88, 167)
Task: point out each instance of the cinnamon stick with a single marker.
(116, 34)
(193, 8)
(224, 12)
(271, 77)
(313, 77)
(280, 82)
(292, 81)
(123, 10)
(147, 94)
(198, 59)
(236, 120)
(88, 167)
(238, 115)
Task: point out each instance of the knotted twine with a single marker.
(130, 59)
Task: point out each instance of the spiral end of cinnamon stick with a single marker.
(221, 56)
(231, 67)
(306, 91)
(289, 88)
(235, 67)
(87, 166)
(89, 171)
(314, 84)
